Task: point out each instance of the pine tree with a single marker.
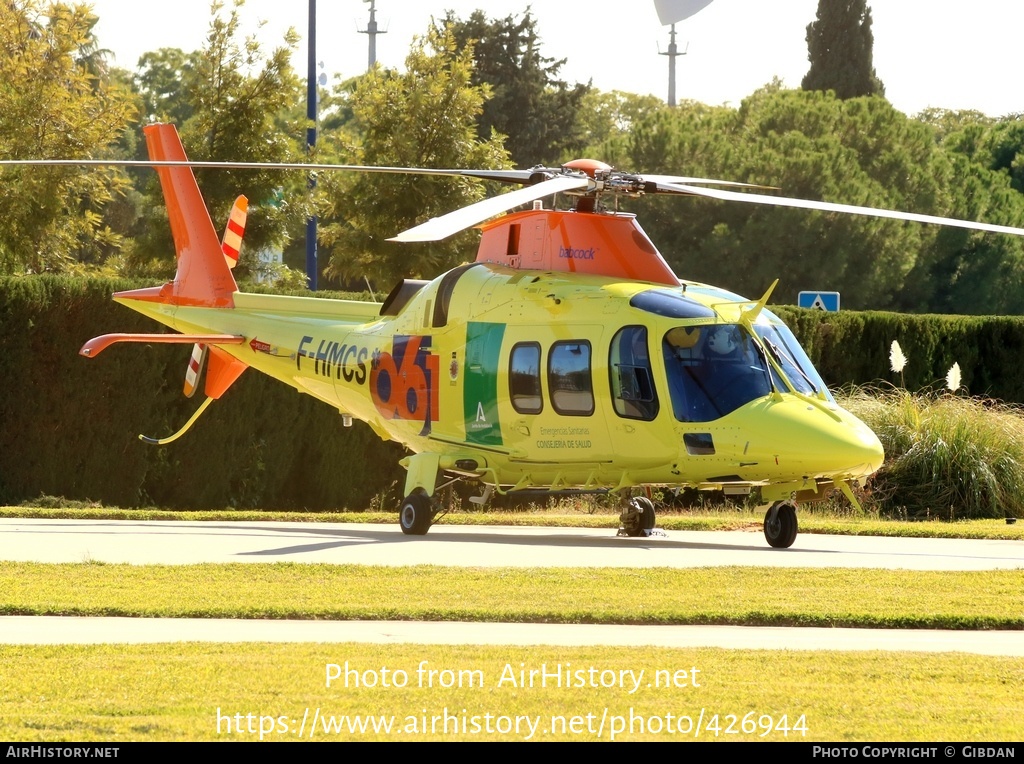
(839, 47)
(530, 104)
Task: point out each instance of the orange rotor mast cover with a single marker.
(581, 241)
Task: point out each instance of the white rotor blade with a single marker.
(672, 11)
(673, 179)
(459, 220)
(851, 209)
(505, 176)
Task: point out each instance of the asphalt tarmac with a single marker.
(182, 543)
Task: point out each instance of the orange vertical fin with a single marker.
(203, 277)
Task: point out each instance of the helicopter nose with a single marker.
(850, 449)
(819, 442)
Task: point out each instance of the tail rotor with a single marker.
(230, 245)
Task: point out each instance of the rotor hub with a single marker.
(590, 167)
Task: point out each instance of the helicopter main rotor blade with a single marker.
(678, 179)
(459, 220)
(522, 177)
(503, 176)
(850, 209)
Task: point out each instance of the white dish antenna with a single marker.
(672, 11)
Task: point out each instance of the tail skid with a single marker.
(223, 370)
(171, 438)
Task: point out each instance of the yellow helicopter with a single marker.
(568, 356)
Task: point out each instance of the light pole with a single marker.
(311, 107)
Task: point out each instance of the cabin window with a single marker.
(629, 365)
(569, 378)
(713, 370)
(524, 378)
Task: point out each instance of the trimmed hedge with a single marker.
(853, 348)
(68, 425)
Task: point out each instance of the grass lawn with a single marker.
(741, 596)
(216, 692)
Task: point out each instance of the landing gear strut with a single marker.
(780, 526)
(637, 517)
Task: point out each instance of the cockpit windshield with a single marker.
(713, 370)
(792, 359)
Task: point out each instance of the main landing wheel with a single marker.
(416, 514)
(780, 530)
(638, 517)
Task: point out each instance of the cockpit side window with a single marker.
(712, 371)
(632, 382)
(570, 382)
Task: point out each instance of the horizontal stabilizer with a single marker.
(97, 345)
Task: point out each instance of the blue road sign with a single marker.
(819, 300)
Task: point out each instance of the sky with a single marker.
(943, 53)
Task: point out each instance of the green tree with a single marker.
(840, 48)
(947, 122)
(233, 98)
(55, 102)
(859, 151)
(970, 271)
(811, 145)
(159, 79)
(237, 94)
(530, 105)
(424, 117)
(605, 119)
